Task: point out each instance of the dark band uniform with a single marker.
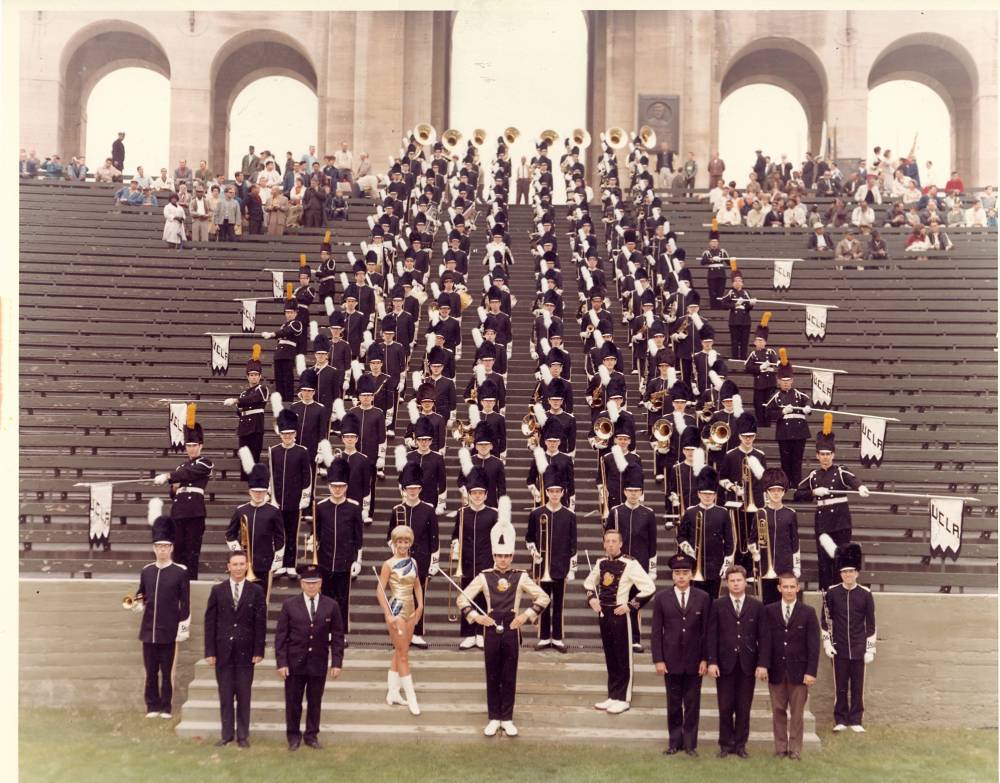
(833, 513)
(791, 430)
(267, 535)
(475, 529)
(250, 406)
(340, 531)
(291, 481)
(558, 557)
(719, 543)
(187, 487)
(638, 530)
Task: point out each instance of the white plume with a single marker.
(435, 291)
(671, 376)
(598, 338)
(300, 363)
(339, 411)
(431, 339)
(154, 509)
(696, 320)
(588, 279)
(276, 402)
(325, 451)
(713, 356)
(653, 349)
(737, 405)
(313, 330)
(679, 425)
(828, 545)
(481, 312)
(545, 345)
(503, 510)
(613, 411)
(417, 378)
(698, 461)
(413, 410)
(366, 341)
(716, 380)
(480, 372)
(540, 415)
(246, 459)
(357, 368)
(328, 303)
(465, 460)
(546, 318)
(541, 463)
(546, 373)
(477, 336)
(594, 318)
(474, 418)
(619, 457)
(343, 280)
(400, 455)
(605, 375)
(756, 468)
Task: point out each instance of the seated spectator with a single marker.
(863, 215)
(795, 214)
(335, 207)
(54, 168)
(753, 187)
(130, 195)
(107, 172)
(975, 217)
(728, 215)
(164, 181)
(896, 215)
(142, 179)
(717, 196)
(77, 169)
(818, 240)
(937, 238)
(825, 186)
(296, 202)
(183, 196)
(366, 181)
(276, 212)
(775, 217)
(869, 191)
(955, 183)
(956, 215)
(849, 248)
(900, 184)
(989, 198)
(755, 217)
(931, 214)
(877, 249)
(253, 209)
(149, 198)
(931, 197)
(184, 174)
(912, 194)
(203, 173)
(836, 215)
(26, 167)
(917, 240)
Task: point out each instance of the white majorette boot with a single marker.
(411, 696)
(392, 696)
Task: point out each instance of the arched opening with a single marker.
(253, 120)
(505, 67)
(146, 122)
(761, 117)
(243, 60)
(787, 64)
(893, 125)
(944, 67)
(96, 51)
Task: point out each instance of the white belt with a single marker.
(196, 490)
(250, 413)
(830, 501)
(794, 416)
(286, 342)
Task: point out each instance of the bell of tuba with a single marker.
(548, 137)
(616, 137)
(479, 137)
(425, 133)
(451, 139)
(663, 429)
(580, 138)
(510, 135)
(647, 136)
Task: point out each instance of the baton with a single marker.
(122, 481)
(909, 495)
(498, 626)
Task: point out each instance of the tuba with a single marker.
(425, 133)
(616, 137)
(647, 136)
(478, 137)
(548, 137)
(510, 135)
(663, 429)
(451, 139)
(247, 546)
(580, 138)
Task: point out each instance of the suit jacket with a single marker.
(305, 646)
(734, 641)
(790, 651)
(679, 638)
(234, 635)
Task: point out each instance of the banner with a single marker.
(946, 527)
(277, 284)
(822, 387)
(249, 314)
(816, 322)
(872, 441)
(220, 354)
(782, 275)
(178, 417)
(100, 513)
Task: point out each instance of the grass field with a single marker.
(91, 746)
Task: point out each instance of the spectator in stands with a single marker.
(253, 211)
(365, 181)
(344, 161)
(931, 197)
(975, 217)
(863, 215)
(118, 151)
(819, 242)
(955, 183)
(277, 212)
(917, 240)
(824, 187)
(932, 213)
(54, 168)
(149, 199)
(753, 186)
(336, 206)
(310, 157)
(291, 169)
(896, 216)
(26, 167)
(795, 214)
(296, 198)
(899, 185)
(201, 216)
(212, 201)
(203, 173)
(988, 197)
(250, 164)
(164, 181)
(690, 172)
(716, 168)
(755, 216)
(876, 250)
(991, 218)
(77, 169)
(312, 205)
(142, 179)
(938, 239)
(836, 215)
(911, 193)
(183, 195)
(107, 172)
(868, 191)
(728, 215)
(270, 175)
(242, 187)
(956, 215)
(849, 248)
(330, 171)
(227, 215)
(930, 175)
(183, 174)
(130, 196)
(173, 226)
(776, 215)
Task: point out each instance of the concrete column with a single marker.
(337, 107)
(700, 96)
(378, 124)
(190, 110)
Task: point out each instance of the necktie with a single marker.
(788, 613)
(739, 606)
(684, 596)
(312, 609)
(236, 594)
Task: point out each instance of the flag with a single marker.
(178, 416)
(278, 284)
(100, 513)
(816, 322)
(946, 527)
(220, 354)
(782, 275)
(249, 314)
(872, 441)
(822, 387)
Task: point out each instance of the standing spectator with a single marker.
(291, 167)
(242, 186)
(27, 168)
(271, 174)
(203, 173)
(988, 197)
(296, 197)
(250, 164)
(201, 216)
(930, 176)
(164, 181)
(690, 172)
(310, 157)
(955, 183)
(253, 208)
(716, 168)
(665, 165)
(78, 169)
(760, 165)
(344, 161)
(227, 216)
(365, 182)
(173, 227)
(118, 153)
(808, 171)
(107, 172)
(312, 206)
(183, 174)
(213, 200)
(331, 172)
(277, 212)
(523, 180)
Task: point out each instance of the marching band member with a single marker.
(717, 260)
(402, 610)
(849, 634)
(312, 415)
(394, 361)
(250, 407)
(487, 400)
(444, 388)
(761, 363)
(421, 517)
(734, 631)
(265, 526)
(163, 597)
(340, 539)
(482, 372)
(371, 439)
(406, 326)
(682, 490)
(655, 398)
(470, 538)
(422, 406)
(825, 485)
(685, 333)
(288, 336)
(680, 625)
(554, 396)
(740, 303)
(432, 467)
(637, 525)
(732, 409)
(502, 589)
(704, 360)
(341, 353)
(783, 549)
(551, 455)
(329, 379)
(680, 397)
(789, 407)
(706, 534)
(291, 482)
(616, 587)
(491, 465)
(740, 475)
(551, 540)
(359, 474)
(187, 488)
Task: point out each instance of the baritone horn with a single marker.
(425, 133)
(580, 138)
(529, 425)
(451, 139)
(603, 428)
(616, 137)
(647, 136)
(510, 135)
(663, 429)
(719, 433)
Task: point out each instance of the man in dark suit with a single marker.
(733, 636)
(680, 625)
(789, 658)
(309, 647)
(235, 626)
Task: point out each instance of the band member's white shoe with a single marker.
(492, 728)
(658, 477)
(840, 727)
(418, 641)
(280, 571)
(480, 643)
(411, 696)
(558, 644)
(508, 728)
(393, 696)
(603, 705)
(467, 643)
(152, 714)
(618, 707)
(292, 573)
(637, 647)
(168, 716)
(858, 729)
(542, 644)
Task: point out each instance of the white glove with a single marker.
(786, 409)
(535, 493)
(686, 548)
(869, 656)
(864, 491)
(674, 499)
(572, 504)
(267, 335)
(821, 492)
(797, 564)
(652, 574)
(726, 565)
(807, 409)
(277, 559)
(533, 354)
(766, 366)
(454, 549)
(319, 458)
(536, 556)
(830, 650)
(161, 478)
(380, 464)
(304, 500)
(435, 568)
(737, 490)
(752, 301)
(356, 566)
(571, 575)
(184, 630)
(439, 508)
(139, 607)
(754, 552)
(347, 383)
(229, 401)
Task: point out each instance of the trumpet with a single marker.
(663, 428)
(425, 133)
(456, 569)
(247, 546)
(616, 137)
(699, 546)
(451, 139)
(580, 138)
(510, 135)
(132, 601)
(647, 137)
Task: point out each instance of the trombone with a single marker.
(699, 546)
(544, 536)
(763, 542)
(247, 545)
(456, 569)
(663, 428)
